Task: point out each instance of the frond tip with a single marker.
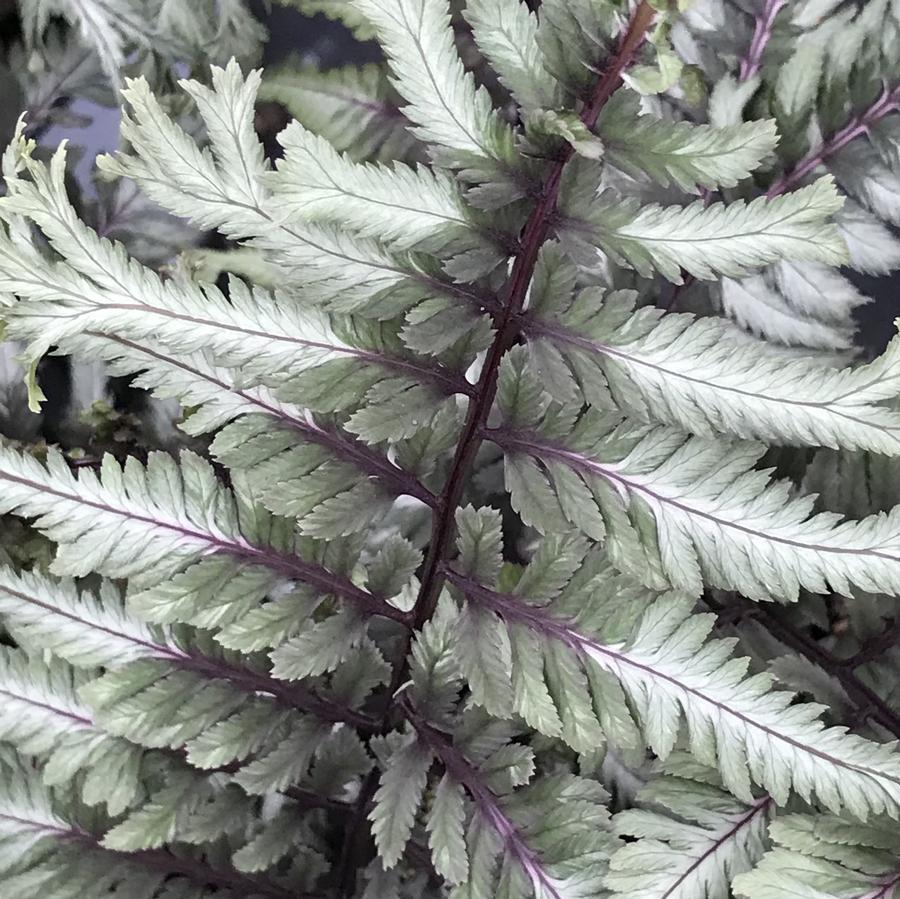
(444, 103)
(721, 239)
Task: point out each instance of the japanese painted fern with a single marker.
(500, 510)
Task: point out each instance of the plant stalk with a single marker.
(534, 235)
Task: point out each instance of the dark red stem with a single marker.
(534, 235)
(889, 101)
(762, 34)
(464, 773)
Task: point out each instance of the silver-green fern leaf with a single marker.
(512, 516)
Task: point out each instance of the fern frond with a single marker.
(446, 107)
(84, 629)
(446, 832)
(707, 500)
(400, 792)
(398, 205)
(187, 316)
(719, 239)
(44, 716)
(866, 179)
(813, 853)
(550, 838)
(45, 847)
(160, 521)
(114, 29)
(683, 510)
(435, 678)
(160, 706)
(191, 810)
(107, 26)
(470, 492)
(758, 306)
(159, 819)
(689, 156)
(670, 673)
(345, 273)
(64, 68)
(98, 288)
(691, 837)
(506, 33)
(213, 192)
(354, 108)
(699, 374)
(873, 248)
(259, 435)
(577, 40)
(90, 630)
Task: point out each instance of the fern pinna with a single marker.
(538, 537)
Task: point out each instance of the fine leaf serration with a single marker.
(530, 528)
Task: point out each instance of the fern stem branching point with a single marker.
(487, 803)
(534, 235)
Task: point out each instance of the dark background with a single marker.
(289, 32)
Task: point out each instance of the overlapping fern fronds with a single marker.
(474, 525)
